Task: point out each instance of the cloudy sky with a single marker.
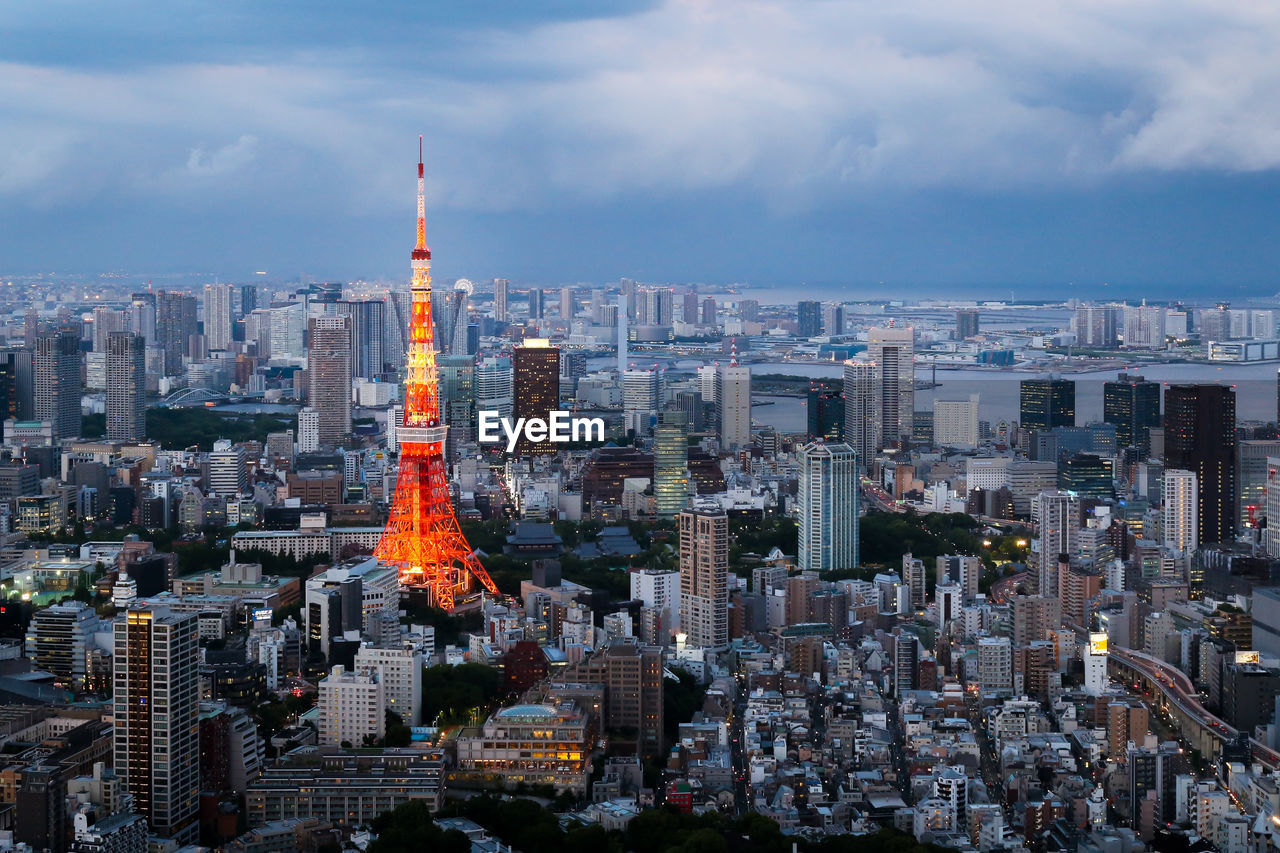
(928, 144)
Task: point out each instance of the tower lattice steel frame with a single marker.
(422, 537)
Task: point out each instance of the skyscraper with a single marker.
(1200, 436)
(368, 327)
(57, 381)
(1096, 326)
(142, 316)
(105, 321)
(966, 323)
(175, 324)
(825, 410)
(536, 306)
(329, 377)
(157, 691)
(566, 303)
(1179, 520)
(704, 578)
(641, 396)
(458, 400)
(493, 386)
(535, 368)
(219, 303)
(808, 319)
(862, 416)
(670, 464)
(1058, 515)
(126, 387)
(1133, 405)
(733, 405)
(1047, 403)
(500, 287)
(893, 348)
(828, 500)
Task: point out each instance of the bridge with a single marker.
(1169, 689)
(192, 397)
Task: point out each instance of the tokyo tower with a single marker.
(422, 537)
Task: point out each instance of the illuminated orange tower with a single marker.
(422, 536)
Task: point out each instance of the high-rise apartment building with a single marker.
(828, 504)
(966, 323)
(862, 415)
(1179, 520)
(659, 591)
(1144, 326)
(1047, 403)
(632, 677)
(1034, 616)
(1133, 405)
(57, 381)
(156, 696)
(1200, 436)
(142, 316)
(733, 405)
(1058, 515)
(329, 377)
(670, 464)
(219, 308)
(536, 304)
(808, 319)
(704, 578)
(105, 321)
(59, 639)
(126, 387)
(399, 670)
(1096, 326)
(352, 707)
(893, 349)
(500, 290)
(566, 303)
(535, 367)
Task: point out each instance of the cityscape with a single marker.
(780, 427)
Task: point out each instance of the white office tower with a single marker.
(704, 578)
(641, 399)
(707, 383)
(218, 307)
(1179, 522)
(950, 601)
(659, 591)
(1095, 664)
(493, 386)
(862, 417)
(400, 671)
(308, 430)
(227, 473)
(1058, 515)
(955, 422)
(155, 664)
(894, 349)
(395, 420)
(828, 504)
(352, 708)
(733, 405)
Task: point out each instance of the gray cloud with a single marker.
(796, 103)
